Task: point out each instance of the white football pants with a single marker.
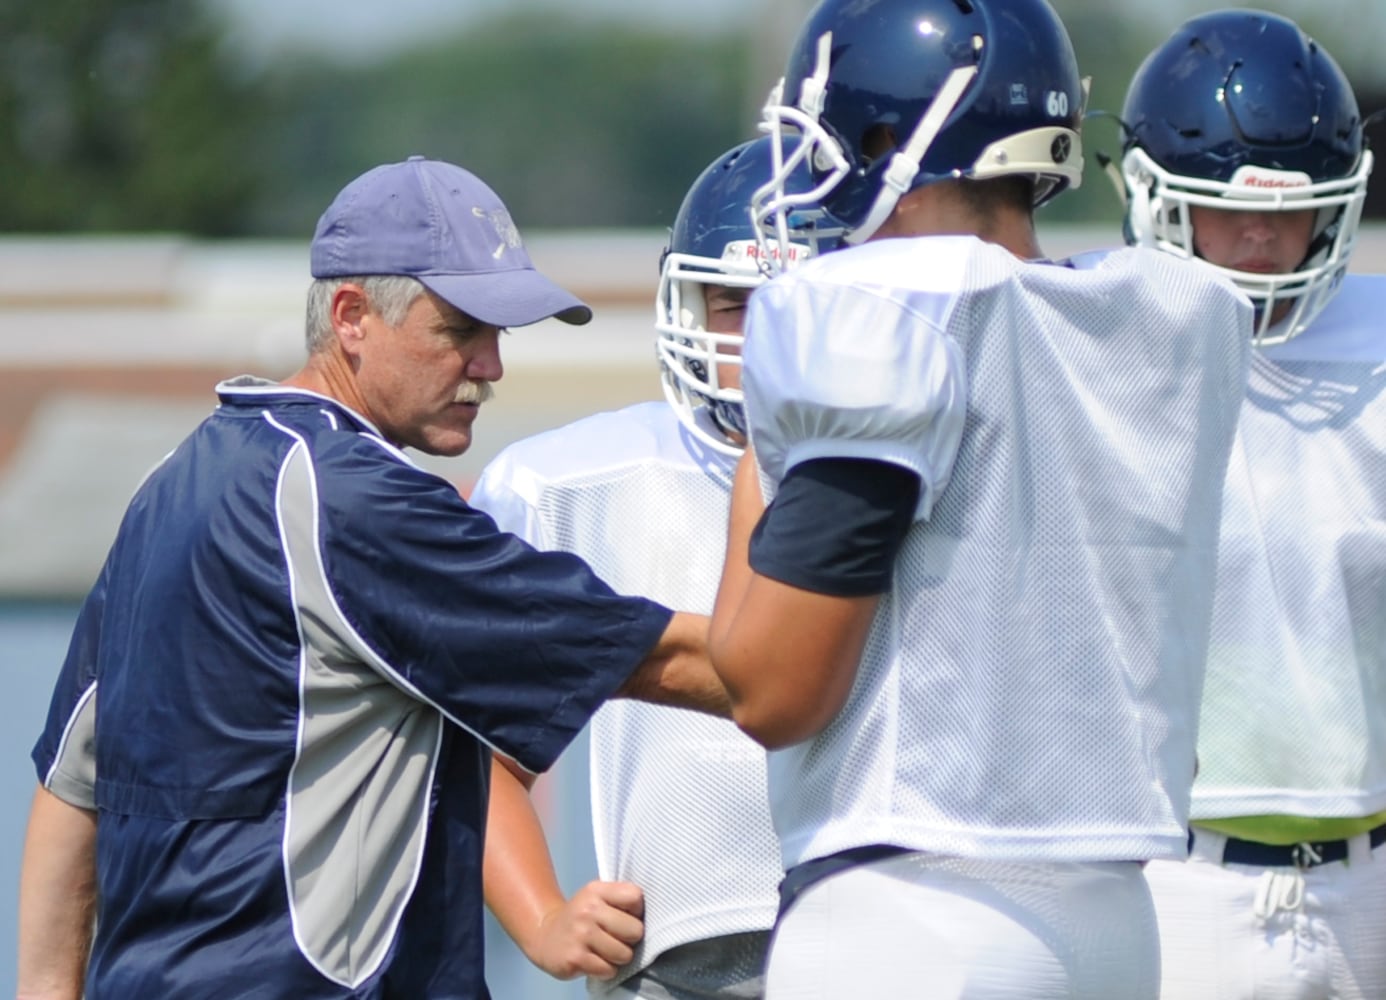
(1238, 932)
(920, 927)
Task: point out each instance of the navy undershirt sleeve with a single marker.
(836, 525)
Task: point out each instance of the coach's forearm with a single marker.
(57, 899)
(678, 672)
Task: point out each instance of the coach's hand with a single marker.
(592, 934)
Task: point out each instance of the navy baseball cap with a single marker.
(443, 225)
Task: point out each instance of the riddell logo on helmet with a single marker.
(750, 251)
(1263, 179)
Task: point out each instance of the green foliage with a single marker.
(121, 115)
(573, 123)
(131, 115)
(126, 115)
(1109, 48)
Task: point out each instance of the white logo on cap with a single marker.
(504, 226)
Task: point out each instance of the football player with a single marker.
(1245, 149)
(970, 624)
(680, 819)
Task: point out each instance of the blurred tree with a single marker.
(136, 115)
(1109, 46)
(119, 115)
(574, 122)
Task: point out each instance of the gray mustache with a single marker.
(474, 392)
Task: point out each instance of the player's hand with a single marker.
(593, 933)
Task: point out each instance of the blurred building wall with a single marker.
(110, 350)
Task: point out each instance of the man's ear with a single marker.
(350, 307)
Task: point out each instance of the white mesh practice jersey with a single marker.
(678, 798)
(1030, 686)
(1294, 711)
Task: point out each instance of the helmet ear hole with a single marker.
(878, 141)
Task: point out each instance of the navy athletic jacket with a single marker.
(280, 697)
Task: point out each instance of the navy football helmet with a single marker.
(713, 242)
(1240, 110)
(895, 94)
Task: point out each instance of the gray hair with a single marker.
(390, 294)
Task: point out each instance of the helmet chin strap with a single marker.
(904, 163)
